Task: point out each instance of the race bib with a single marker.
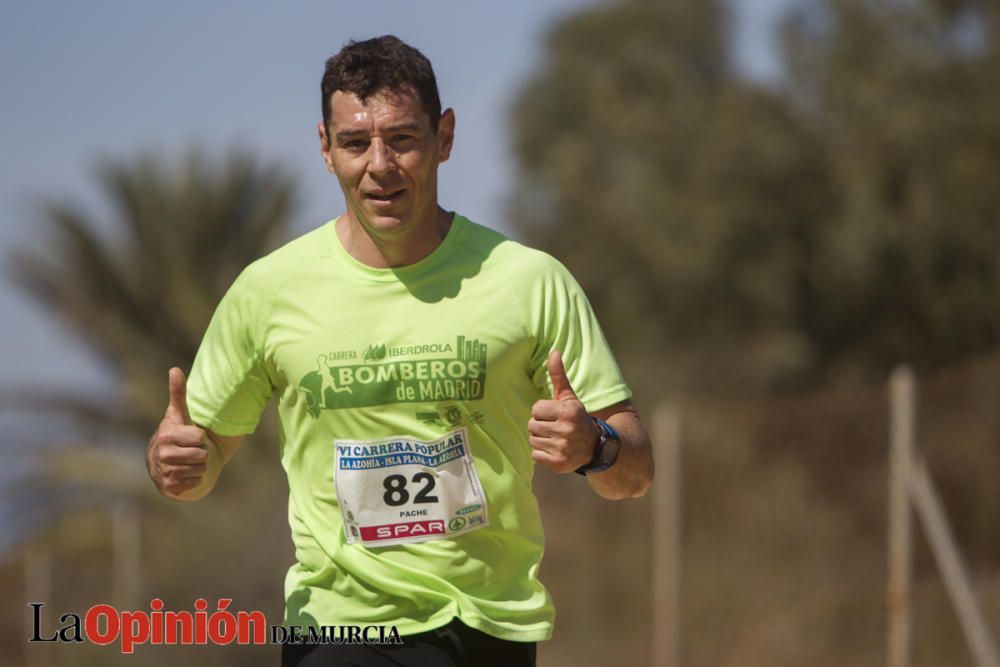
(400, 490)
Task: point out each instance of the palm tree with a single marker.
(140, 299)
(138, 291)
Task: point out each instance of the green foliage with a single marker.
(772, 238)
(749, 242)
(910, 116)
(138, 290)
(140, 294)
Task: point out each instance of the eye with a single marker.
(355, 144)
(402, 139)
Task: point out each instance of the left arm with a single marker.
(632, 473)
(563, 437)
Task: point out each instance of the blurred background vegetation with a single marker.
(759, 257)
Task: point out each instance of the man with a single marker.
(422, 364)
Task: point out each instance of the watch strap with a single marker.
(597, 463)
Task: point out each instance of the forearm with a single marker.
(632, 473)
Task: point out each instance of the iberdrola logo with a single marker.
(391, 375)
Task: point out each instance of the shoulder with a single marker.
(522, 261)
(273, 269)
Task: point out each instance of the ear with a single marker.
(324, 147)
(446, 134)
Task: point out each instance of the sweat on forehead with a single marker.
(393, 109)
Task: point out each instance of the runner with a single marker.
(422, 365)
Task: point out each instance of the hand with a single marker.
(177, 456)
(562, 434)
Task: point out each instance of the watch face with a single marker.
(609, 451)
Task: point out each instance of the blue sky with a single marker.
(110, 79)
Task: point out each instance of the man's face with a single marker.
(386, 155)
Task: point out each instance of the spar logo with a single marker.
(396, 530)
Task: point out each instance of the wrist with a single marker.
(606, 449)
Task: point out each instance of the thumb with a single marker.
(561, 391)
(177, 410)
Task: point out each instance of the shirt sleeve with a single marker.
(560, 318)
(229, 384)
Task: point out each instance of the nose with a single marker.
(381, 157)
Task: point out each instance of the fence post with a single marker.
(666, 537)
(900, 558)
(126, 550)
(949, 560)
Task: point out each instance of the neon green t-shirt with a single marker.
(403, 397)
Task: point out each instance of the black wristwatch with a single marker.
(605, 451)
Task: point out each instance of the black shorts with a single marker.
(454, 645)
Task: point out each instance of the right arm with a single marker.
(184, 460)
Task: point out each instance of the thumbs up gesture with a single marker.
(561, 432)
(177, 457)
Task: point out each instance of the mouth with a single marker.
(386, 196)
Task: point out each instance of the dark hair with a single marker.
(381, 64)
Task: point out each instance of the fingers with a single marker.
(177, 409)
(561, 389)
(551, 428)
(178, 469)
(177, 457)
(547, 460)
(183, 473)
(180, 434)
(562, 434)
(175, 487)
(175, 454)
(558, 445)
(557, 454)
(551, 410)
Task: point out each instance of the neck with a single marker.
(391, 250)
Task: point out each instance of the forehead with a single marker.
(347, 110)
